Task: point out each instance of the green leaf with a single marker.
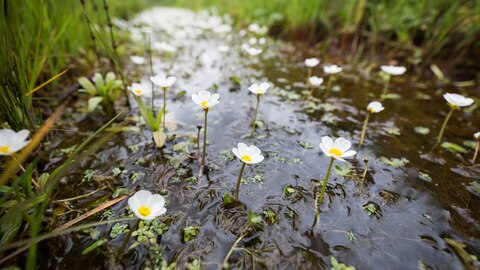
(94, 246)
(422, 130)
(93, 103)
(254, 218)
(454, 148)
(227, 198)
(340, 266)
(159, 119)
(87, 85)
(395, 162)
(345, 171)
(119, 192)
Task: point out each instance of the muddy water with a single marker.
(414, 213)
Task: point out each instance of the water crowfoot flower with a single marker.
(477, 147)
(373, 107)
(164, 82)
(206, 100)
(311, 63)
(147, 206)
(335, 150)
(12, 142)
(315, 81)
(455, 101)
(259, 90)
(331, 70)
(247, 155)
(390, 71)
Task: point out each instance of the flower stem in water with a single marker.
(364, 129)
(237, 189)
(319, 200)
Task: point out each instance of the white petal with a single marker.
(196, 99)
(324, 149)
(257, 159)
(204, 95)
(327, 142)
(236, 152)
(242, 148)
(171, 80)
(143, 195)
(22, 135)
(253, 150)
(349, 153)
(342, 144)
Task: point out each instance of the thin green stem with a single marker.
(237, 189)
(198, 141)
(230, 252)
(204, 138)
(309, 74)
(329, 86)
(151, 72)
(476, 152)
(164, 106)
(444, 125)
(318, 201)
(254, 123)
(385, 88)
(362, 180)
(127, 238)
(364, 129)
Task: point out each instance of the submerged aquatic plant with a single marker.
(147, 206)
(336, 151)
(455, 101)
(206, 100)
(477, 146)
(390, 71)
(153, 121)
(258, 90)
(247, 155)
(103, 91)
(164, 82)
(311, 63)
(315, 81)
(373, 107)
(331, 70)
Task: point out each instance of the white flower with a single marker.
(477, 136)
(164, 47)
(253, 51)
(375, 107)
(257, 29)
(222, 29)
(456, 101)
(259, 89)
(248, 154)
(315, 81)
(242, 32)
(393, 70)
(205, 99)
(262, 40)
(163, 81)
(138, 89)
(332, 69)
(11, 141)
(338, 149)
(253, 40)
(137, 60)
(146, 205)
(223, 48)
(311, 62)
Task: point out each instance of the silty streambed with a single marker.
(413, 207)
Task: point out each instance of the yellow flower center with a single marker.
(138, 91)
(144, 211)
(246, 158)
(335, 151)
(453, 106)
(204, 104)
(5, 149)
